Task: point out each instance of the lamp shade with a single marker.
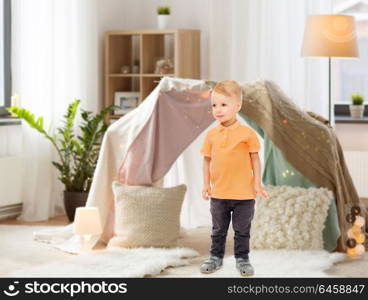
(330, 36)
(87, 221)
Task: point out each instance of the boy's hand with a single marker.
(259, 189)
(206, 192)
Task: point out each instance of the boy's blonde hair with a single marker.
(229, 88)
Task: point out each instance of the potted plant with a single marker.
(357, 106)
(163, 14)
(77, 153)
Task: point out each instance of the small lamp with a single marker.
(87, 223)
(330, 36)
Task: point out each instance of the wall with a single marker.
(353, 137)
(354, 141)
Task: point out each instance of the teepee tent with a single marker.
(157, 144)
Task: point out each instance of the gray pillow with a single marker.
(147, 216)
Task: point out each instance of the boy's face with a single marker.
(224, 108)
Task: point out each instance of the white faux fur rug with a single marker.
(24, 257)
(282, 263)
(112, 263)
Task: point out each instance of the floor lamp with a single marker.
(330, 36)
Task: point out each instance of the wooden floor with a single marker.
(56, 221)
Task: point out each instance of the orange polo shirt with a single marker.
(231, 172)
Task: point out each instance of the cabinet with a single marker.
(180, 47)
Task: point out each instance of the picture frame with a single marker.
(126, 100)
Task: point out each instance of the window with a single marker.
(5, 74)
(352, 74)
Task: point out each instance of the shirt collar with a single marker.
(231, 127)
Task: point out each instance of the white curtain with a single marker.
(262, 39)
(54, 60)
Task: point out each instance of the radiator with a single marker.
(10, 211)
(11, 168)
(357, 163)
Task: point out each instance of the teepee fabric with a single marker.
(141, 147)
(119, 155)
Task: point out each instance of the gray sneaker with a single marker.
(211, 265)
(244, 267)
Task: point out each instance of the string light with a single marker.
(360, 238)
(359, 221)
(355, 235)
(359, 249)
(287, 173)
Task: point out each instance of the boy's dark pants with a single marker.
(242, 215)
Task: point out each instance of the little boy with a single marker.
(232, 166)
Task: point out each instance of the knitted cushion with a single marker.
(292, 218)
(147, 216)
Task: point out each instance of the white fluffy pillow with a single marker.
(146, 216)
(292, 218)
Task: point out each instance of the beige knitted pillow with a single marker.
(147, 216)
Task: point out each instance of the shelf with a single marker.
(122, 48)
(157, 75)
(138, 75)
(124, 75)
(122, 84)
(150, 31)
(350, 120)
(154, 47)
(148, 85)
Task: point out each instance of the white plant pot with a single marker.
(356, 111)
(163, 21)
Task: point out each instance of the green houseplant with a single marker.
(77, 153)
(163, 10)
(163, 15)
(357, 106)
